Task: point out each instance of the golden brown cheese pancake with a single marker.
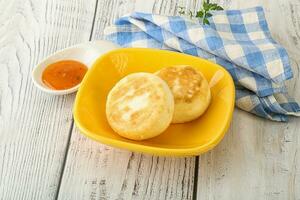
(140, 106)
(190, 90)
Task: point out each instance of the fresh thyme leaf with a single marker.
(199, 14)
(206, 5)
(205, 21)
(208, 14)
(213, 6)
(219, 8)
(181, 10)
(203, 13)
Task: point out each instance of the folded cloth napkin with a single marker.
(238, 40)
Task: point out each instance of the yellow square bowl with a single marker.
(185, 139)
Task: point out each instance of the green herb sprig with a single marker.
(203, 13)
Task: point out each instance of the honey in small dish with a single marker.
(64, 74)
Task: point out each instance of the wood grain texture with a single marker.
(259, 159)
(94, 171)
(34, 127)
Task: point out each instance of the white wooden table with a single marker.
(43, 155)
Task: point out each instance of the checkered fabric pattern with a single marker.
(238, 40)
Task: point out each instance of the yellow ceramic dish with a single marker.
(185, 139)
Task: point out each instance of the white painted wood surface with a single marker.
(259, 159)
(34, 127)
(42, 156)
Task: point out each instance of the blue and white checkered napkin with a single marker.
(238, 40)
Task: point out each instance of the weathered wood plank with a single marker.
(34, 127)
(94, 171)
(259, 159)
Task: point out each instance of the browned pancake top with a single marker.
(184, 81)
(132, 101)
